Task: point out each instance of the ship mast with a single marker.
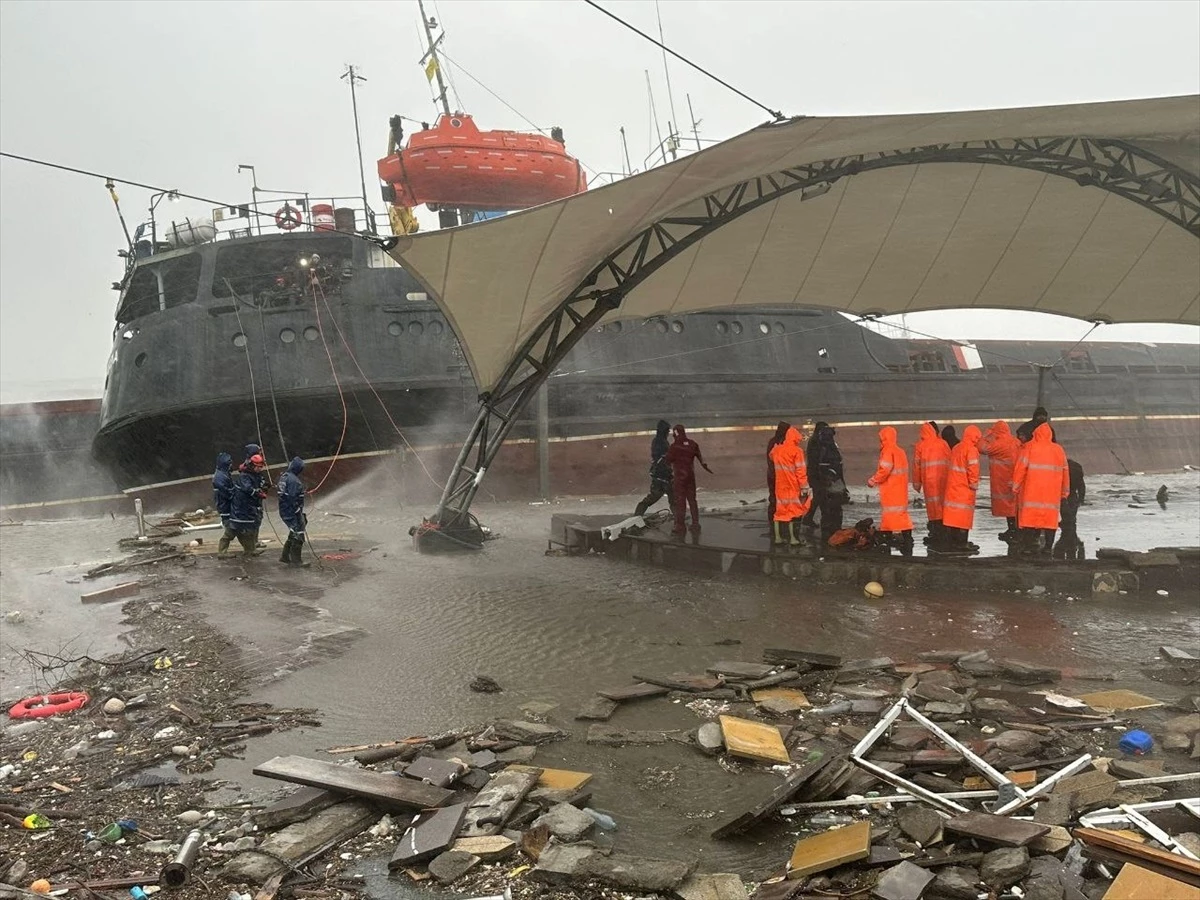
(431, 54)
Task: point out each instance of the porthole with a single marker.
(661, 327)
(311, 334)
(735, 327)
(435, 327)
(677, 327)
(139, 360)
(779, 328)
(764, 327)
(239, 340)
(395, 328)
(722, 328)
(287, 336)
(616, 327)
(416, 329)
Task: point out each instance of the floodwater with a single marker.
(385, 644)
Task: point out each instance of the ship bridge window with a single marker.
(141, 298)
(927, 361)
(181, 279)
(1078, 361)
(279, 273)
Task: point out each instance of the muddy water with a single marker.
(386, 644)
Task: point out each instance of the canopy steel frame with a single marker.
(1116, 166)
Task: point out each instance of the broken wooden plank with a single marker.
(638, 691)
(753, 740)
(556, 779)
(295, 807)
(116, 592)
(1124, 850)
(682, 681)
(996, 829)
(1135, 883)
(780, 795)
(429, 834)
(830, 849)
(388, 791)
(738, 671)
(271, 887)
(493, 806)
(297, 842)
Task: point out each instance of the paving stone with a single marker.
(711, 887)
(1056, 840)
(598, 708)
(908, 736)
(902, 882)
(452, 865)
(740, 670)
(521, 755)
(538, 709)
(994, 708)
(710, 739)
(1023, 743)
(957, 883)
(615, 737)
(488, 849)
(1043, 882)
(1054, 810)
(781, 706)
(1127, 768)
(635, 872)
(866, 707)
(938, 693)
(1027, 673)
(1175, 741)
(1004, 867)
(566, 823)
(529, 732)
(920, 823)
(562, 863)
(1187, 724)
(954, 710)
(1087, 790)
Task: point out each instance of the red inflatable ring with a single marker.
(45, 705)
(288, 218)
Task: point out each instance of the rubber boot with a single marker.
(286, 557)
(778, 535)
(297, 558)
(222, 545)
(793, 533)
(906, 543)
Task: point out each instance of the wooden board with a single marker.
(300, 840)
(388, 791)
(1121, 699)
(295, 807)
(556, 779)
(116, 592)
(996, 829)
(1020, 779)
(1135, 883)
(496, 803)
(830, 849)
(779, 796)
(753, 740)
(1188, 869)
(780, 693)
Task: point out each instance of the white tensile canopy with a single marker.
(982, 209)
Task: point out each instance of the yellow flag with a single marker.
(431, 68)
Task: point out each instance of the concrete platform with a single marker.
(738, 542)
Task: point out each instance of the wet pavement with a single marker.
(385, 644)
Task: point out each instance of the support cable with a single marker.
(775, 114)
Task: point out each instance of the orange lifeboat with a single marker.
(456, 164)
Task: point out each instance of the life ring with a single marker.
(288, 218)
(45, 705)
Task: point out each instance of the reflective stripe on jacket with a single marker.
(963, 481)
(1041, 480)
(931, 466)
(1002, 450)
(791, 478)
(892, 480)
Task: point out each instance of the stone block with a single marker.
(1004, 867)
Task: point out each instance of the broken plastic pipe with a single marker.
(176, 873)
(938, 800)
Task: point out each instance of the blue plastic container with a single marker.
(1136, 743)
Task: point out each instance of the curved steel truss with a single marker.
(1111, 165)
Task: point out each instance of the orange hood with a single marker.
(1000, 429)
(1042, 434)
(928, 432)
(972, 435)
(887, 436)
(793, 437)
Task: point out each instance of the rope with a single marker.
(333, 370)
(1095, 430)
(262, 327)
(1068, 351)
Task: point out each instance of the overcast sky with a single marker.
(177, 94)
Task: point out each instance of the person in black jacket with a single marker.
(1025, 432)
(810, 518)
(291, 511)
(1069, 545)
(222, 482)
(660, 471)
(828, 479)
(245, 508)
(950, 436)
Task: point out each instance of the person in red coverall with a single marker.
(683, 455)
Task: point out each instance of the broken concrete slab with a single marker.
(495, 804)
(430, 834)
(566, 823)
(1020, 672)
(562, 863)
(903, 881)
(712, 887)
(489, 849)
(781, 706)
(1004, 867)
(522, 755)
(299, 840)
(780, 693)
(867, 665)
(736, 670)
(684, 681)
(295, 807)
(805, 657)
(635, 872)
(388, 791)
(438, 772)
(1187, 724)
(607, 736)
(994, 708)
(1022, 743)
(451, 866)
(938, 709)
(1054, 810)
(638, 691)
(829, 849)
(753, 740)
(996, 829)
(1086, 790)
(528, 732)
(957, 883)
(1055, 840)
(920, 823)
(776, 798)
(597, 708)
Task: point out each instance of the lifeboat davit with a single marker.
(456, 164)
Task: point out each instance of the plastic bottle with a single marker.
(137, 893)
(603, 822)
(827, 819)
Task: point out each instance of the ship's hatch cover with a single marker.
(1090, 211)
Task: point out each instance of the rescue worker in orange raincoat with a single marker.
(930, 467)
(776, 440)
(959, 514)
(792, 498)
(892, 480)
(683, 455)
(1002, 448)
(1041, 481)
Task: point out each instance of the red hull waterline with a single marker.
(616, 464)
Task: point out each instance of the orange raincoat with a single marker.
(931, 465)
(963, 481)
(892, 479)
(792, 498)
(1002, 449)
(1041, 479)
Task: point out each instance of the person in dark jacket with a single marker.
(1025, 432)
(291, 511)
(828, 479)
(222, 482)
(245, 508)
(810, 518)
(1069, 545)
(776, 439)
(682, 455)
(950, 436)
(660, 471)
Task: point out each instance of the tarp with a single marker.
(933, 235)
